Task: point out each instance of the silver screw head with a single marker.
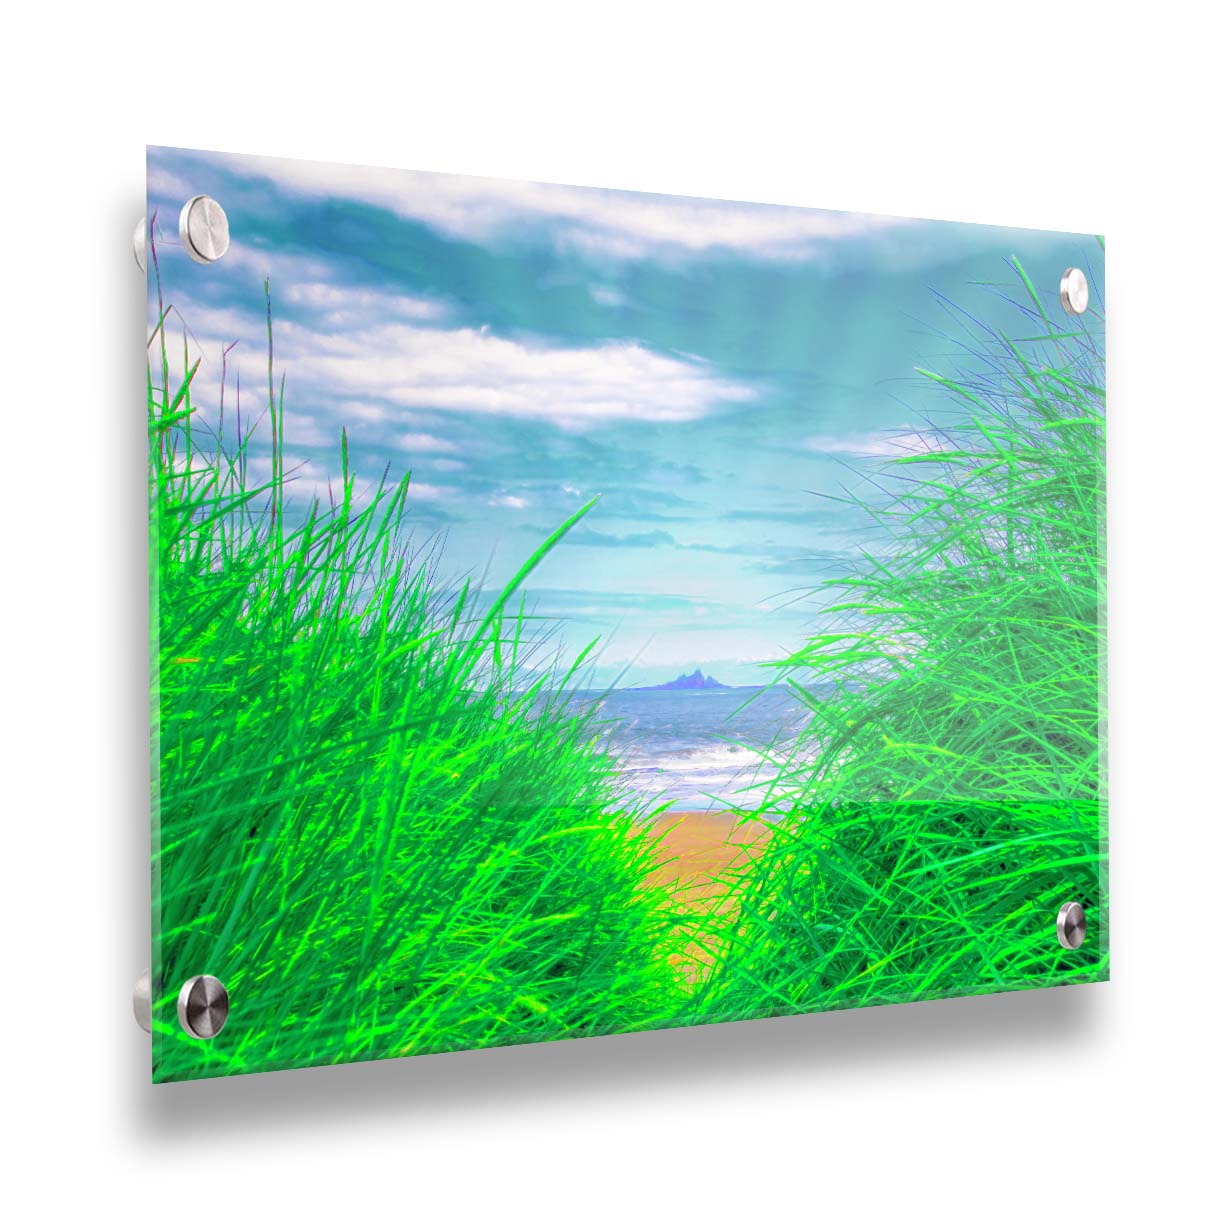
(138, 242)
(203, 1006)
(142, 1002)
(1073, 291)
(1072, 925)
(204, 229)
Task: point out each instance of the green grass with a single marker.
(377, 822)
(946, 795)
(372, 817)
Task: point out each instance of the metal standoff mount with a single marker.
(1072, 925)
(142, 1001)
(1073, 291)
(138, 242)
(203, 1006)
(204, 229)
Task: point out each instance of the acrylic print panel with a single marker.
(582, 612)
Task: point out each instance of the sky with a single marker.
(719, 375)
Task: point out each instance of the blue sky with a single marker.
(707, 368)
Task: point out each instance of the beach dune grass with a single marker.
(947, 793)
(378, 818)
(374, 819)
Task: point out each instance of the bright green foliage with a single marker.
(373, 818)
(946, 796)
(379, 820)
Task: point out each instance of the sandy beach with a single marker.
(699, 850)
(699, 854)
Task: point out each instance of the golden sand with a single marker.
(700, 854)
(700, 851)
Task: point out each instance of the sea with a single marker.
(701, 749)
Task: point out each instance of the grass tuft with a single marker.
(947, 795)
(381, 820)
(374, 817)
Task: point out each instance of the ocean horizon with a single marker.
(700, 749)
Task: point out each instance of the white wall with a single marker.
(1044, 1106)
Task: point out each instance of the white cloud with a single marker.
(619, 224)
(306, 479)
(344, 307)
(425, 443)
(382, 369)
(287, 267)
(605, 295)
(303, 478)
(508, 501)
(306, 282)
(306, 430)
(162, 182)
(421, 491)
(466, 371)
(365, 410)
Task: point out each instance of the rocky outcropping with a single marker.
(695, 681)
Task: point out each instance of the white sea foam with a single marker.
(715, 771)
(701, 749)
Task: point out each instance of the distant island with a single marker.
(695, 681)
